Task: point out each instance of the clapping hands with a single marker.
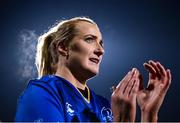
(150, 98)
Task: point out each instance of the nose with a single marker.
(99, 51)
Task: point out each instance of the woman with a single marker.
(67, 56)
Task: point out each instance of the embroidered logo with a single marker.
(106, 114)
(69, 109)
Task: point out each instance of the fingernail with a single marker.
(145, 63)
(133, 69)
(169, 70)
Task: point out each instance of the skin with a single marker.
(75, 66)
(151, 98)
(123, 99)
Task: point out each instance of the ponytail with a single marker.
(43, 56)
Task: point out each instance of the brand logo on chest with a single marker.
(69, 109)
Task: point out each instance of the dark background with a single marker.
(133, 31)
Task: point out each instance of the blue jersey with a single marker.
(53, 98)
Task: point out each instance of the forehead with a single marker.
(87, 28)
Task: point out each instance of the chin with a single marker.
(91, 70)
(94, 72)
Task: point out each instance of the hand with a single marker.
(123, 99)
(151, 98)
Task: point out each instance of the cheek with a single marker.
(80, 51)
(78, 58)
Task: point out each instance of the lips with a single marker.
(95, 60)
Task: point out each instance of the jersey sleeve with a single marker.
(39, 104)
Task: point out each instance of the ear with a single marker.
(62, 49)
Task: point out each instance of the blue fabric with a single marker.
(53, 98)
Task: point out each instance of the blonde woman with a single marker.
(67, 56)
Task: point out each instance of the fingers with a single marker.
(154, 65)
(161, 69)
(168, 72)
(159, 74)
(120, 83)
(155, 69)
(150, 68)
(169, 75)
(134, 88)
(132, 84)
(120, 87)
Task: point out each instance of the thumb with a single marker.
(141, 95)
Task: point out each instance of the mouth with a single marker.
(94, 60)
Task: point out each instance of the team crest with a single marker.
(106, 114)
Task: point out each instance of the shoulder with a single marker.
(47, 83)
(39, 88)
(41, 98)
(43, 81)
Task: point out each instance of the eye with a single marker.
(101, 43)
(89, 40)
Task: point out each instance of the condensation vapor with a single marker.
(26, 54)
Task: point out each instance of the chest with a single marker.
(77, 109)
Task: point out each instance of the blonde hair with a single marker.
(47, 54)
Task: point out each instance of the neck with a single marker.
(65, 73)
